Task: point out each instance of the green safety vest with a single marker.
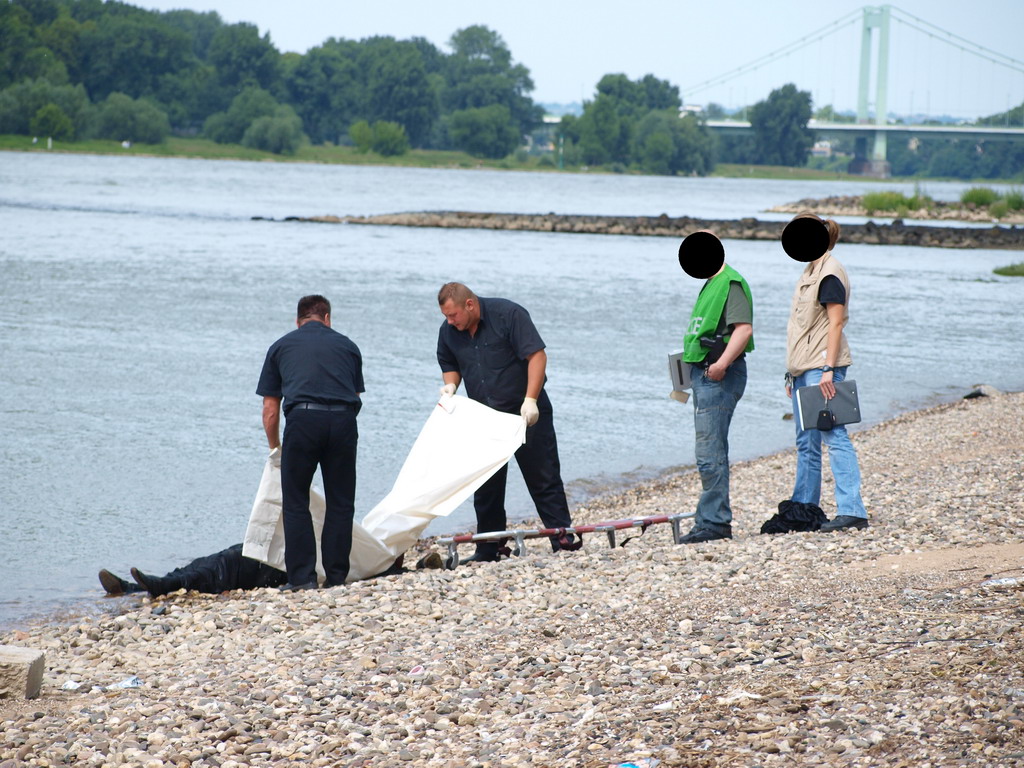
(707, 313)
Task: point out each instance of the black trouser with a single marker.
(327, 438)
(224, 570)
(538, 461)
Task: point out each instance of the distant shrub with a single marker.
(362, 135)
(998, 209)
(522, 155)
(280, 134)
(52, 122)
(1014, 270)
(389, 139)
(980, 196)
(1014, 200)
(121, 118)
(546, 161)
(921, 199)
(886, 201)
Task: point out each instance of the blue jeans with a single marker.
(841, 456)
(713, 405)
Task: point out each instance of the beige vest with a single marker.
(807, 332)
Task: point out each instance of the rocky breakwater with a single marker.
(899, 645)
(895, 233)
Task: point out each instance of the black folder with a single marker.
(845, 406)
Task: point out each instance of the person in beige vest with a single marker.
(817, 353)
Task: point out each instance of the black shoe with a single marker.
(845, 521)
(699, 535)
(483, 556)
(155, 585)
(297, 587)
(115, 585)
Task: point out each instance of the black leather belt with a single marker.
(324, 407)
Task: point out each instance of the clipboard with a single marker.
(679, 372)
(845, 406)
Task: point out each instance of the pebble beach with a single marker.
(899, 645)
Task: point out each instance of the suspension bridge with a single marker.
(874, 126)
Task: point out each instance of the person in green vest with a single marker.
(720, 334)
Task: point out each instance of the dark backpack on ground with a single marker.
(795, 516)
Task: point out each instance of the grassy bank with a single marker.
(415, 158)
(209, 150)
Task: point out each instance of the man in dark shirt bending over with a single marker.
(493, 346)
(318, 373)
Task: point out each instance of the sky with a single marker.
(568, 45)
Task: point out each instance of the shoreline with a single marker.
(622, 486)
(893, 645)
(896, 233)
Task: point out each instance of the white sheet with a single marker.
(460, 447)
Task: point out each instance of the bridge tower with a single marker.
(876, 164)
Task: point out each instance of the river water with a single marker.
(138, 298)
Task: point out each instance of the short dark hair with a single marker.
(313, 306)
(456, 292)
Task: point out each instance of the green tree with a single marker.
(603, 135)
(280, 133)
(130, 53)
(484, 131)
(325, 89)
(51, 121)
(362, 135)
(389, 138)
(242, 58)
(201, 28)
(781, 135)
(714, 111)
(397, 88)
(605, 131)
(229, 127)
(668, 144)
(480, 73)
(20, 103)
(121, 118)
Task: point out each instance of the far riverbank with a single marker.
(196, 148)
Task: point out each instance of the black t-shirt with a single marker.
(312, 364)
(831, 291)
(492, 363)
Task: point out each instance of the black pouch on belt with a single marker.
(826, 420)
(715, 346)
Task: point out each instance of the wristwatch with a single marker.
(826, 369)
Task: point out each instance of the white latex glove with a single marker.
(448, 389)
(529, 411)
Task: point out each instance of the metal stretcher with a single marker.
(520, 537)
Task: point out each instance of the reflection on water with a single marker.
(139, 298)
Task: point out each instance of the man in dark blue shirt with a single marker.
(493, 346)
(318, 373)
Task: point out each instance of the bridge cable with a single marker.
(979, 50)
(785, 50)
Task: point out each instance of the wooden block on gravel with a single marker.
(21, 672)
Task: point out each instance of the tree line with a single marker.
(75, 69)
(88, 68)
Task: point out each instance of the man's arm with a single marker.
(741, 334)
(536, 366)
(272, 420)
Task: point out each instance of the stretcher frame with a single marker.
(520, 537)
